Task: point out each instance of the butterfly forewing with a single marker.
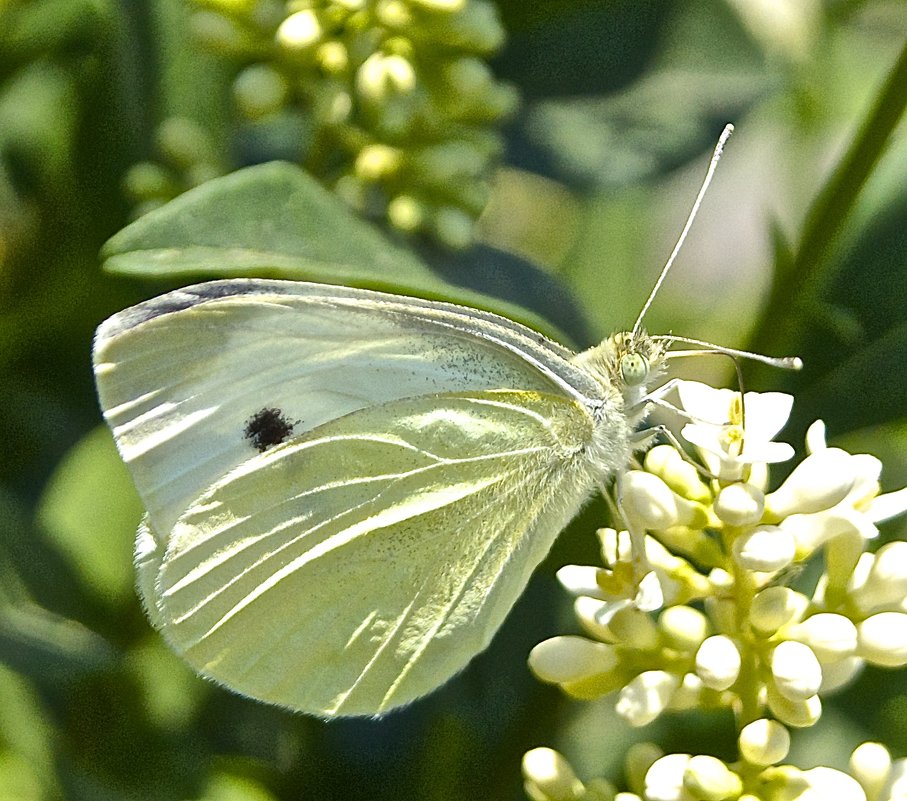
(189, 380)
(356, 567)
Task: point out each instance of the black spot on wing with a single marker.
(267, 428)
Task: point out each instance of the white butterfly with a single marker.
(346, 491)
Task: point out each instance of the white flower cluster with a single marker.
(711, 622)
(653, 776)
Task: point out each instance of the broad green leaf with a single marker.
(90, 511)
(275, 221)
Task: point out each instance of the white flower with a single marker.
(651, 504)
(727, 442)
(822, 480)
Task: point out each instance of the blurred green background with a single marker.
(801, 247)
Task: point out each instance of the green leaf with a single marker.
(90, 511)
(274, 220)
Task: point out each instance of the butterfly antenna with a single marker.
(781, 362)
(719, 148)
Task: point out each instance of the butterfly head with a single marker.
(628, 362)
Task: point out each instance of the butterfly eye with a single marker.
(634, 369)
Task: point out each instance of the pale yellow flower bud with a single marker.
(709, 779)
(764, 549)
(683, 627)
(666, 462)
(882, 639)
(796, 670)
(549, 777)
(634, 629)
(640, 757)
(827, 783)
(764, 742)
(740, 504)
(569, 658)
(798, 714)
(299, 32)
(831, 637)
(651, 502)
(870, 764)
(837, 675)
(718, 662)
(664, 780)
(646, 696)
(775, 607)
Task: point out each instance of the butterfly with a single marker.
(346, 490)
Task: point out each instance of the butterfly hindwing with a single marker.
(356, 567)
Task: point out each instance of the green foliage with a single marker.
(799, 248)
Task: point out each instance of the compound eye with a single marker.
(634, 369)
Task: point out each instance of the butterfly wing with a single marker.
(357, 567)
(194, 382)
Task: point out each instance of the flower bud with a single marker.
(837, 675)
(406, 213)
(831, 637)
(299, 32)
(376, 162)
(795, 670)
(764, 549)
(870, 765)
(819, 482)
(683, 627)
(886, 581)
(651, 502)
(882, 639)
(776, 607)
(569, 658)
(828, 783)
(718, 662)
(549, 777)
(764, 742)
(666, 462)
(798, 714)
(646, 696)
(664, 780)
(634, 629)
(740, 504)
(709, 779)
(640, 757)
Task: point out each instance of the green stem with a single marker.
(800, 280)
